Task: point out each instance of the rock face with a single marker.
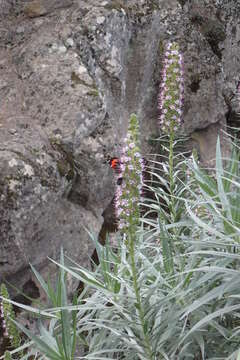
(71, 72)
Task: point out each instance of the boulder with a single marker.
(71, 73)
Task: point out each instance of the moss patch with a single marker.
(66, 164)
(76, 80)
(65, 169)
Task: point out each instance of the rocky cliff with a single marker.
(71, 72)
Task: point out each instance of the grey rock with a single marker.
(37, 8)
(70, 81)
(12, 131)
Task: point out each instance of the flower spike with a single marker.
(129, 192)
(170, 99)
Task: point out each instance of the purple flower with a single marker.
(119, 211)
(126, 207)
(173, 73)
(122, 167)
(121, 225)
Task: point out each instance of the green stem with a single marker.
(171, 172)
(131, 248)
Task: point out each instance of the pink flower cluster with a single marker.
(128, 193)
(3, 321)
(170, 99)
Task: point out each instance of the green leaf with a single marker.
(238, 356)
(40, 280)
(30, 309)
(42, 345)
(65, 315)
(215, 314)
(219, 174)
(48, 338)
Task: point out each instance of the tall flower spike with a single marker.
(128, 194)
(7, 356)
(3, 321)
(170, 99)
(6, 314)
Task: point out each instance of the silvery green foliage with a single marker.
(190, 300)
(56, 339)
(187, 304)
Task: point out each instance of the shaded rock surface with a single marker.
(42, 7)
(71, 72)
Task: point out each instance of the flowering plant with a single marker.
(170, 102)
(128, 193)
(170, 98)
(6, 314)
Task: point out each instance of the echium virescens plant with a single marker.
(127, 198)
(170, 102)
(170, 98)
(6, 313)
(129, 190)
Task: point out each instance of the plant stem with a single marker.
(131, 248)
(171, 172)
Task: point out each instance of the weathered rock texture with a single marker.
(71, 72)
